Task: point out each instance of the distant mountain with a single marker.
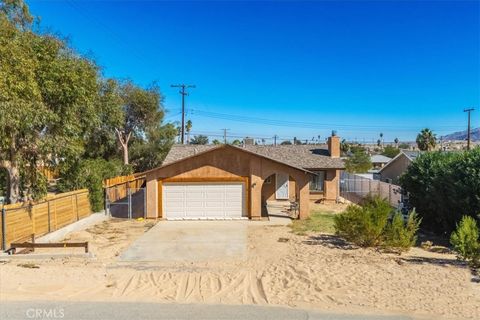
(462, 135)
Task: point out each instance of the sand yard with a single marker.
(313, 271)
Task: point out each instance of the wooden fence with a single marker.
(117, 188)
(24, 219)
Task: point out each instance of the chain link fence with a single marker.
(355, 188)
(127, 203)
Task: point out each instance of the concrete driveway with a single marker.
(189, 241)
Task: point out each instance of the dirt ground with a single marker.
(313, 272)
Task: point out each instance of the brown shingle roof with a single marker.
(303, 156)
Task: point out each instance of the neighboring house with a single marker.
(233, 182)
(397, 166)
(378, 161)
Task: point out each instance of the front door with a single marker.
(281, 186)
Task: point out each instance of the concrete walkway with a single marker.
(190, 241)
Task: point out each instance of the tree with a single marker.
(390, 151)
(200, 139)
(404, 146)
(359, 162)
(149, 152)
(48, 95)
(188, 128)
(216, 142)
(381, 138)
(286, 142)
(344, 146)
(379, 142)
(443, 187)
(236, 142)
(142, 109)
(396, 142)
(426, 140)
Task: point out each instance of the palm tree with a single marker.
(396, 142)
(381, 138)
(426, 140)
(188, 128)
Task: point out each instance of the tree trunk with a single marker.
(125, 153)
(13, 192)
(123, 138)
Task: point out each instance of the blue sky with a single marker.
(359, 68)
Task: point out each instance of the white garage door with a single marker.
(203, 200)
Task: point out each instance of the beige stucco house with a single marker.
(223, 182)
(397, 166)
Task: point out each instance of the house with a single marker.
(378, 161)
(397, 166)
(210, 182)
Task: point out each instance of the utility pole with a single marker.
(468, 130)
(225, 135)
(275, 140)
(183, 93)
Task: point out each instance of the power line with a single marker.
(183, 93)
(225, 135)
(301, 124)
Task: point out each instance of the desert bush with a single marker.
(443, 187)
(364, 225)
(400, 234)
(465, 241)
(375, 223)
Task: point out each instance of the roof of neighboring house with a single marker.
(300, 156)
(410, 155)
(378, 158)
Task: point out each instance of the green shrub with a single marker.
(90, 174)
(372, 224)
(364, 225)
(465, 241)
(443, 187)
(400, 234)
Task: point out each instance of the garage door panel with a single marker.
(207, 200)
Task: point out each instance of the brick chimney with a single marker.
(334, 145)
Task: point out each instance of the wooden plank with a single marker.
(34, 245)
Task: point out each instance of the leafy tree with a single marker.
(89, 173)
(443, 187)
(359, 162)
(142, 109)
(344, 146)
(426, 140)
(390, 151)
(150, 152)
(188, 128)
(216, 142)
(47, 101)
(404, 146)
(286, 142)
(236, 142)
(200, 139)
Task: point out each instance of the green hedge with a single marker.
(443, 187)
(90, 174)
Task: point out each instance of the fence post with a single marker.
(76, 205)
(144, 203)
(106, 201)
(129, 199)
(390, 193)
(4, 227)
(48, 215)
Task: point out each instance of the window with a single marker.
(317, 182)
